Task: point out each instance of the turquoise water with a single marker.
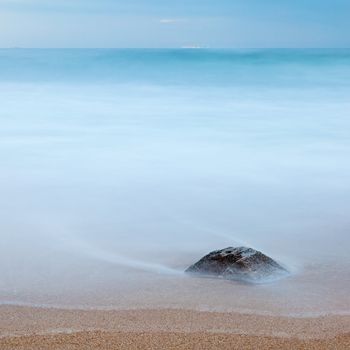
(178, 67)
(147, 159)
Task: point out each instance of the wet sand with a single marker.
(44, 328)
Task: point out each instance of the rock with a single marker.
(242, 263)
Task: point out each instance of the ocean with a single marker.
(119, 168)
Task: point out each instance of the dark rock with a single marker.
(240, 263)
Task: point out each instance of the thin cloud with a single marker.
(172, 20)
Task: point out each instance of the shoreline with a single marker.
(240, 311)
(32, 328)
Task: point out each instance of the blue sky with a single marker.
(175, 23)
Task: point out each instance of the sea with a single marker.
(119, 168)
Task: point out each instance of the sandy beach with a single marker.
(44, 328)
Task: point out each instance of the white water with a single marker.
(109, 190)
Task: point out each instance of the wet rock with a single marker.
(239, 263)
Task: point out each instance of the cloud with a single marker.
(172, 20)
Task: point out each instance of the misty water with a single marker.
(120, 168)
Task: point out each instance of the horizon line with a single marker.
(172, 48)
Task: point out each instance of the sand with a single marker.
(49, 328)
(166, 340)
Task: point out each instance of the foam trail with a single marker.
(72, 243)
(83, 247)
(217, 233)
